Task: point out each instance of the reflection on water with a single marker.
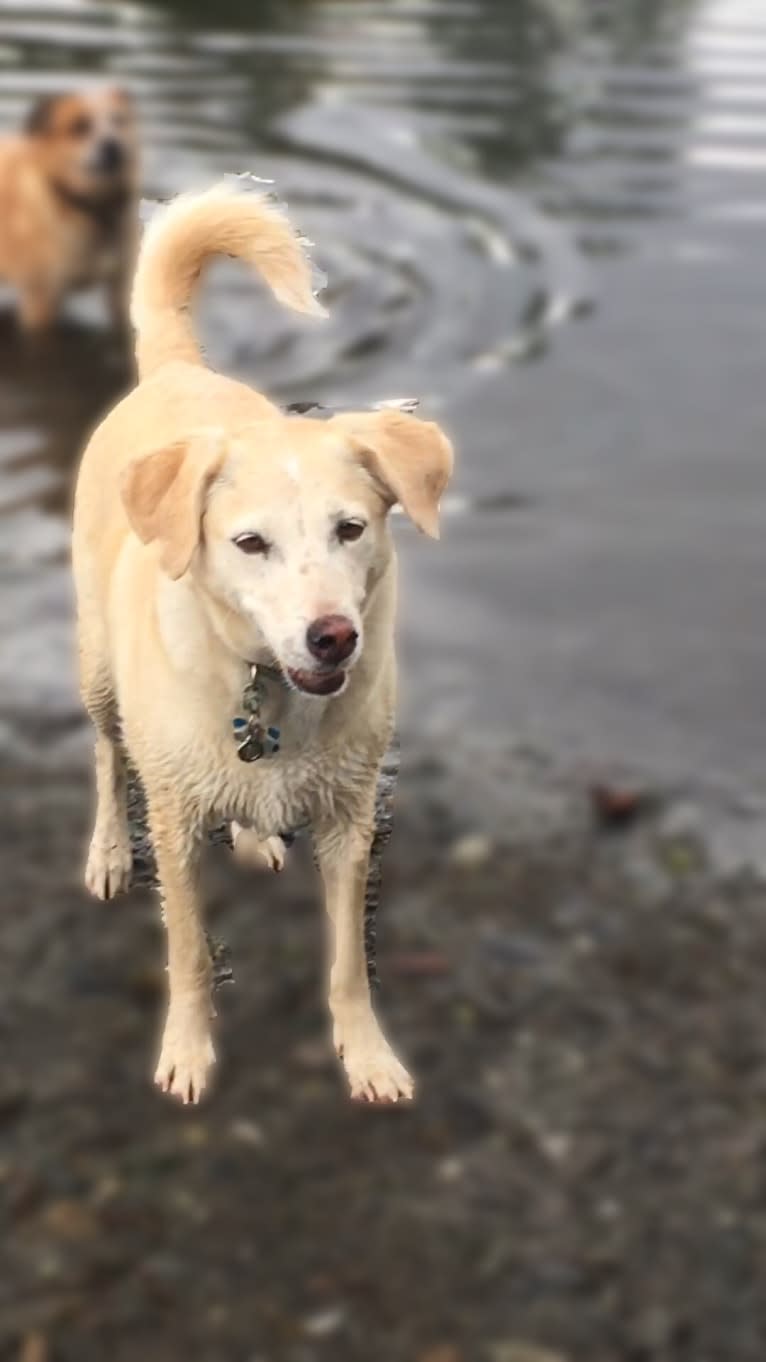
(473, 174)
(377, 123)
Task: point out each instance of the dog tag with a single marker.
(249, 738)
(252, 739)
(251, 749)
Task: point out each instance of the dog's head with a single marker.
(284, 525)
(86, 140)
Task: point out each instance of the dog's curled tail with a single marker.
(229, 219)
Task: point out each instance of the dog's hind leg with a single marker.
(262, 853)
(109, 861)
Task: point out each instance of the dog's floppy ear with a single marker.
(38, 119)
(164, 495)
(410, 459)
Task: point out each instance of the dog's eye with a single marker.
(80, 127)
(251, 543)
(350, 530)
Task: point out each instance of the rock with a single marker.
(13, 1100)
(507, 1350)
(313, 1054)
(72, 1220)
(682, 820)
(195, 1135)
(470, 852)
(247, 1132)
(515, 948)
(441, 1352)
(325, 1322)
(24, 1192)
(555, 1145)
(147, 984)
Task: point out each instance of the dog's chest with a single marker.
(309, 779)
(291, 790)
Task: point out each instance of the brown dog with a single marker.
(231, 560)
(68, 203)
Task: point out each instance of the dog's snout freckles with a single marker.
(332, 639)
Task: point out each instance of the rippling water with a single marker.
(543, 220)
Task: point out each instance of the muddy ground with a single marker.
(581, 1178)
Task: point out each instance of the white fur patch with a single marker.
(293, 468)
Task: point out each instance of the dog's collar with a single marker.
(252, 738)
(104, 212)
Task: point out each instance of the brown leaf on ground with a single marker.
(423, 964)
(70, 1220)
(617, 807)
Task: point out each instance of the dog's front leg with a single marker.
(118, 301)
(373, 1070)
(39, 301)
(120, 281)
(186, 1055)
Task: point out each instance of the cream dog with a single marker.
(68, 202)
(213, 532)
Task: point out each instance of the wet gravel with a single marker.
(581, 1178)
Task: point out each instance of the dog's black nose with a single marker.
(110, 155)
(331, 639)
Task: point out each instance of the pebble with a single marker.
(325, 1322)
(312, 1054)
(195, 1135)
(470, 852)
(441, 1352)
(70, 1220)
(247, 1132)
(608, 1209)
(682, 819)
(506, 1350)
(556, 1145)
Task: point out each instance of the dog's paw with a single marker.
(187, 1055)
(109, 865)
(259, 853)
(374, 1073)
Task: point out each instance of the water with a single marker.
(546, 222)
